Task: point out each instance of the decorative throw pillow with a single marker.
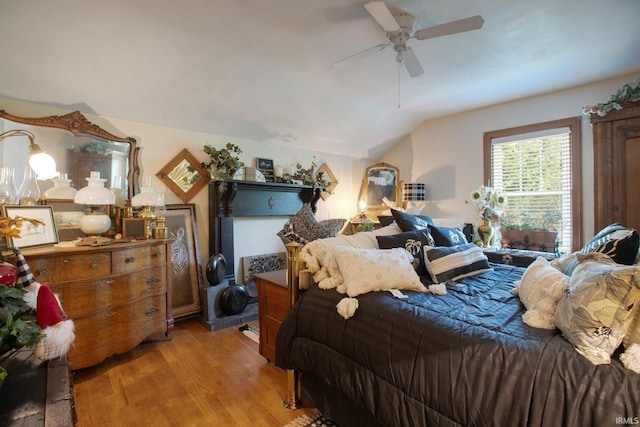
(303, 227)
(367, 270)
(408, 222)
(619, 242)
(540, 289)
(446, 236)
(596, 312)
(413, 242)
(385, 219)
(333, 226)
(456, 262)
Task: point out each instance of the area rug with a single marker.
(251, 331)
(315, 420)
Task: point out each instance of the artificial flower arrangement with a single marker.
(627, 93)
(224, 163)
(309, 176)
(489, 203)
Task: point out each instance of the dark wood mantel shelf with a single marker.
(233, 198)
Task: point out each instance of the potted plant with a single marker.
(523, 231)
(223, 163)
(18, 322)
(316, 179)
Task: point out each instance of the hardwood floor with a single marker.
(198, 378)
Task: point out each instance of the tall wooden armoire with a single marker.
(616, 158)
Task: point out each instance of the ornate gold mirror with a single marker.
(381, 181)
(184, 175)
(88, 148)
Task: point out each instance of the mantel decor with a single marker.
(234, 198)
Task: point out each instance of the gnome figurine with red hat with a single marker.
(58, 330)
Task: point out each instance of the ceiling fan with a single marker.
(400, 28)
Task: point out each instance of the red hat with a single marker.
(49, 310)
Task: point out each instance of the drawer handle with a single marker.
(151, 311)
(109, 314)
(94, 265)
(67, 260)
(130, 259)
(158, 254)
(109, 281)
(153, 280)
(43, 272)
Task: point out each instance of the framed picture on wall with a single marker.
(186, 274)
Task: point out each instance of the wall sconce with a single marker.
(42, 163)
(412, 193)
(94, 195)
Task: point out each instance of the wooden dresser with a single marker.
(273, 305)
(117, 295)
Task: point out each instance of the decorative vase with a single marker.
(486, 232)
(8, 273)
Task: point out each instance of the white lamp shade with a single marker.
(147, 197)
(43, 165)
(61, 190)
(95, 193)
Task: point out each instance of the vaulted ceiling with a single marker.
(265, 70)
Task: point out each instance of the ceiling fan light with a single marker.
(400, 57)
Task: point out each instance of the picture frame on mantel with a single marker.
(186, 274)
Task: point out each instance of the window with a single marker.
(538, 168)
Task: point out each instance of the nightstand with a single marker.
(273, 305)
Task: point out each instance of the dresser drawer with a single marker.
(127, 260)
(83, 297)
(65, 267)
(275, 302)
(111, 325)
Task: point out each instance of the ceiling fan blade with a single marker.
(382, 15)
(453, 27)
(411, 63)
(362, 54)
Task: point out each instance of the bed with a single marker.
(465, 358)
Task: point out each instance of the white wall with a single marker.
(446, 153)
(159, 144)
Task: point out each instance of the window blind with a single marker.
(534, 172)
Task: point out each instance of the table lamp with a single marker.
(147, 199)
(94, 195)
(412, 193)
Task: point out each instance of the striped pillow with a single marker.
(453, 263)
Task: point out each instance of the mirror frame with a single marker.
(77, 124)
(163, 174)
(373, 210)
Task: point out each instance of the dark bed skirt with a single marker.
(333, 404)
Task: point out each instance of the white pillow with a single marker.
(367, 270)
(540, 289)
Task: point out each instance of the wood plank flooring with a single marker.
(198, 378)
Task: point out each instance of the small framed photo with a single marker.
(265, 166)
(66, 215)
(134, 228)
(32, 235)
